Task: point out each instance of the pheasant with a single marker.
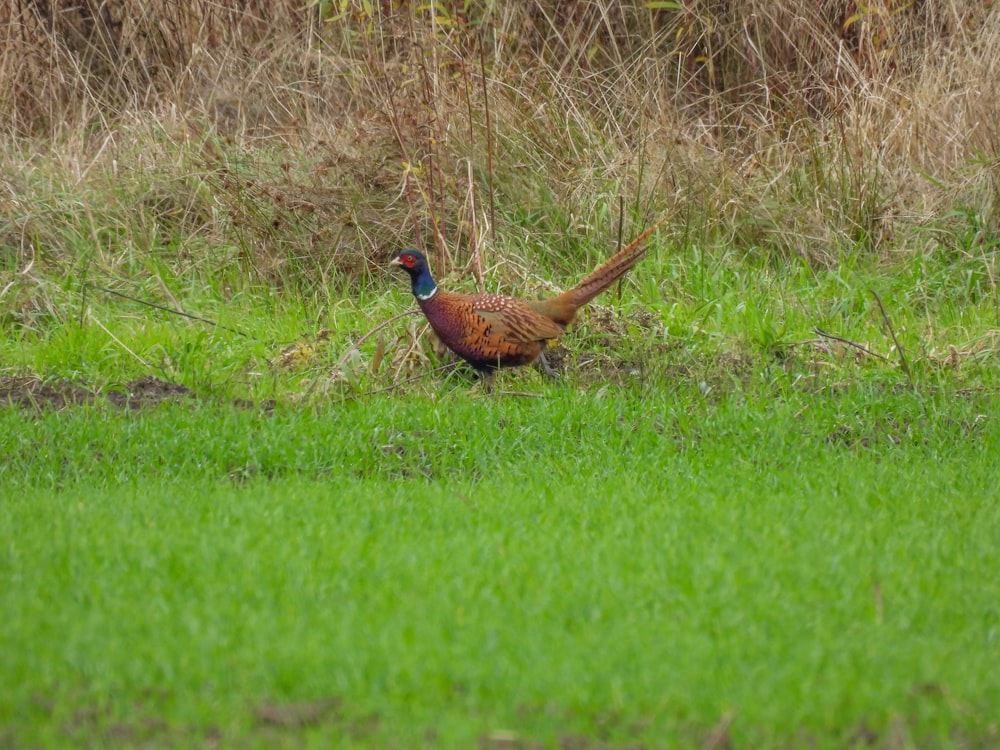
(491, 330)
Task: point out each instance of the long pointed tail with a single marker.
(562, 309)
(608, 273)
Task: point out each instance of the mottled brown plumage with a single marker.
(491, 330)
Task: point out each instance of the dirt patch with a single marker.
(35, 394)
(147, 391)
(293, 715)
(31, 393)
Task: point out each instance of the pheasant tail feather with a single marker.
(608, 273)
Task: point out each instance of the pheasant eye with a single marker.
(408, 259)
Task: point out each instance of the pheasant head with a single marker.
(415, 264)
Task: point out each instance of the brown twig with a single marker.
(978, 389)
(395, 121)
(172, 311)
(397, 129)
(847, 342)
(168, 294)
(476, 258)
(83, 290)
(618, 246)
(895, 341)
(398, 383)
(120, 343)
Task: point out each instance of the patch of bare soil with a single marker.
(290, 719)
(296, 714)
(34, 394)
(147, 391)
(142, 724)
(98, 725)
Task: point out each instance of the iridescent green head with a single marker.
(415, 264)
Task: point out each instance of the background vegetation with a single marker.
(190, 153)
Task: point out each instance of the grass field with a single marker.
(622, 568)
(246, 501)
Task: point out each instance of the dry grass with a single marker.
(316, 138)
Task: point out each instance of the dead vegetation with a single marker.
(311, 138)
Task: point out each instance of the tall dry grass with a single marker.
(318, 136)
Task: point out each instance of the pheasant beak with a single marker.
(395, 262)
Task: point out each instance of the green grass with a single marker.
(627, 565)
(683, 307)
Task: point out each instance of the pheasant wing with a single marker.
(514, 320)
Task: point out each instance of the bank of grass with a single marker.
(685, 314)
(629, 567)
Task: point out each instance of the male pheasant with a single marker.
(491, 330)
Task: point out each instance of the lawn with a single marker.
(613, 568)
